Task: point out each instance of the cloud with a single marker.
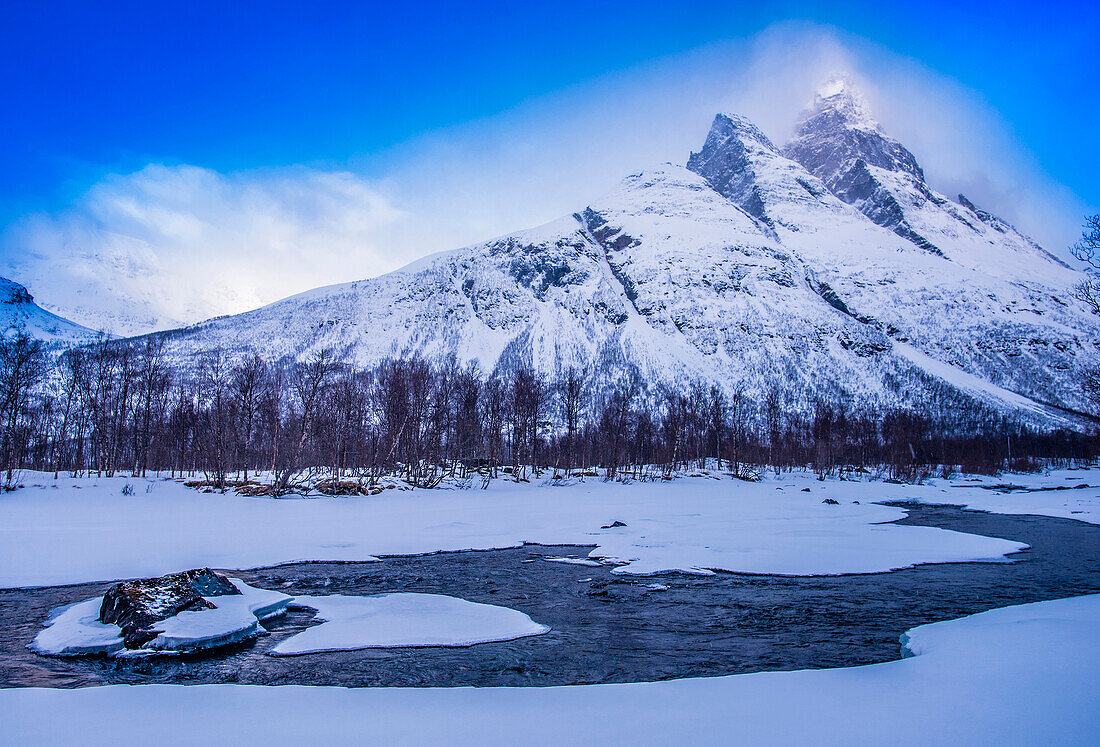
(555, 154)
(177, 244)
(183, 243)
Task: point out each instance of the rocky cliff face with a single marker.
(826, 267)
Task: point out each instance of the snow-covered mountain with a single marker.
(839, 142)
(827, 266)
(19, 313)
(991, 303)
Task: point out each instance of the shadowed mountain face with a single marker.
(828, 267)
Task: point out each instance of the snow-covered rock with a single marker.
(140, 605)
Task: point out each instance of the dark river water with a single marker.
(606, 628)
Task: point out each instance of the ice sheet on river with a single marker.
(404, 620)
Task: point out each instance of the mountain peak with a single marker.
(837, 132)
(733, 132)
(839, 99)
(733, 146)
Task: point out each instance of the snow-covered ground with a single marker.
(86, 530)
(1065, 494)
(1016, 675)
(404, 620)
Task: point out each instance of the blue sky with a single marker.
(91, 88)
(159, 150)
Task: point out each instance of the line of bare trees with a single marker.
(123, 407)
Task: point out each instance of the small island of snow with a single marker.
(75, 630)
(404, 620)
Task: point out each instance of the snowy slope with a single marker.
(19, 313)
(747, 269)
(664, 279)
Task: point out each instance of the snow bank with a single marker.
(75, 531)
(74, 630)
(1018, 675)
(403, 620)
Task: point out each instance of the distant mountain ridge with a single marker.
(828, 266)
(20, 314)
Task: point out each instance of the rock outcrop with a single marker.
(135, 606)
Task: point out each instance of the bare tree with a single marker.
(248, 387)
(571, 394)
(153, 382)
(216, 416)
(119, 402)
(309, 381)
(1087, 250)
(22, 364)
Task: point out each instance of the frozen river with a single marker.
(605, 628)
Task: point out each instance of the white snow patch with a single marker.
(230, 622)
(404, 620)
(74, 630)
(1063, 494)
(86, 530)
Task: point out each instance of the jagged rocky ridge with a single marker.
(828, 266)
